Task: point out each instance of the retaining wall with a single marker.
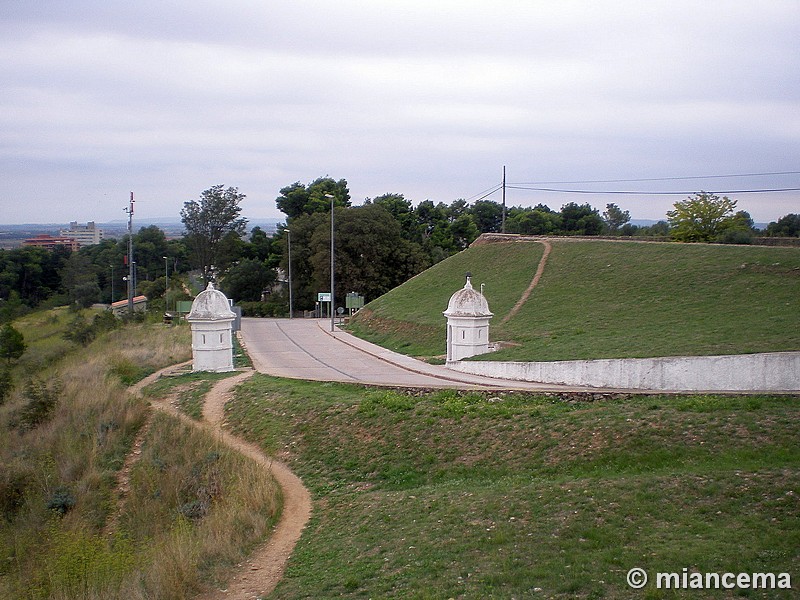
(773, 371)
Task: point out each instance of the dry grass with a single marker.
(199, 509)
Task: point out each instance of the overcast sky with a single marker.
(425, 98)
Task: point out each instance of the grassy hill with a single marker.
(604, 299)
(469, 495)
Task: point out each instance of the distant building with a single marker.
(48, 241)
(85, 235)
(120, 307)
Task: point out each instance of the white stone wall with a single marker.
(773, 371)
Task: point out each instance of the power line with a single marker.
(649, 193)
(485, 193)
(767, 174)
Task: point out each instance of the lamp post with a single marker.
(333, 304)
(166, 285)
(289, 241)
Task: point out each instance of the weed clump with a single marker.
(42, 399)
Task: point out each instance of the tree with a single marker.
(247, 279)
(488, 216)
(703, 217)
(297, 199)
(615, 217)
(537, 221)
(208, 222)
(80, 280)
(12, 343)
(581, 219)
(787, 226)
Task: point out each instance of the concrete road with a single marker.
(306, 349)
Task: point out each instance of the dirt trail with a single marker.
(264, 569)
(259, 575)
(533, 284)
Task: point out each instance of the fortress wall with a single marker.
(772, 371)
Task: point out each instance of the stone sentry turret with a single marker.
(468, 317)
(211, 319)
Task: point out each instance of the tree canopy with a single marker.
(207, 224)
(703, 217)
(298, 199)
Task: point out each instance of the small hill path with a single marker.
(262, 571)
(534, 282)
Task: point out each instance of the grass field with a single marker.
(604, 299)
(466, 495)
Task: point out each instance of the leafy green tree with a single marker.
(786, 226)
(33, 273)
(540, 220)
(581, 219)
(298, 199)
(464, 231)
(208, 222)
(372, 255)
(615, 217)
(488, 216)
(703, 217)
(79, 279)
(402, 211)
(12, 343)
(247, 279)
(261, 245)
(149, 249)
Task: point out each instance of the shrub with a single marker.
(42, 399)
(6, 385)
(80, 331)
(263, 309)
(62, 500)
(14, 482)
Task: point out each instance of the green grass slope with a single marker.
(605, 299)
(468, 495)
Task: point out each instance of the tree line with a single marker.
(379, 245)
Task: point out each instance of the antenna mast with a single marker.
(131, 265)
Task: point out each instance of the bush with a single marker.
(62, 500)
(42, 399)
(13, 484)
(6, 385)
(736, 236)
(84, 332)
(263, 309)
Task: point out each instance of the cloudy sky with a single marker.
(426, 98)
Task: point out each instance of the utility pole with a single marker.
(289, 239)
(131, 283)
(332, 265)
(503, 227)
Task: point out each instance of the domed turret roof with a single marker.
(466, 302)
(210, 305)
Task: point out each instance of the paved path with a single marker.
(306, 349)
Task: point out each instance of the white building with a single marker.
(211, 319)
(84, 235)
(468, 317)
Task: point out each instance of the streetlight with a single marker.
(289, 239)
(166, 285)
(332, 264)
